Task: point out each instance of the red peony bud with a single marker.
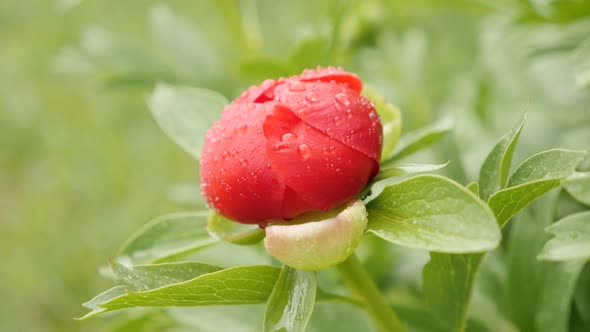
(304, 143)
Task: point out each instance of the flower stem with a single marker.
(358, 280)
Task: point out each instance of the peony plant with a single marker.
(309, 165)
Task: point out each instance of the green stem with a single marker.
(359, 282)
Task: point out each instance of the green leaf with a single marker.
(495, 169)
(538, 293)
(434, 213)
(549, 164)
(571, 239)
(473, 187)
(391, 118)
(237, 285)
(420, 139)
(192, 284)
(168, 237)
(185, 114)
(146, 277)
(448, 279)
(448, 282)
(101, 298)
(507, 202)
(291, 302)
(534, 177)
(224, 229)
(392, 171)
(578, 185)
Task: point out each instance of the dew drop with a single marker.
(241, 129)
(337, 120)
(244, 162)
(312, 97)
(342, 99)
(217, 199)
(372, 115)
(296, 86)
(349, 113)
(304, 151)
(225, 155)
(288, 137)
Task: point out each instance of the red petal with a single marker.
(338, 111)
(322, 171)
(236, 178)
(332, 74)
(258, 94)
(294, 205)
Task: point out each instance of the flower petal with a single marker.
(338, 111)
(322, 171)
(332, 74)
(236, 178)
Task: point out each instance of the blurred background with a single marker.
(83, 164)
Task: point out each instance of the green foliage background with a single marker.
(83, 164)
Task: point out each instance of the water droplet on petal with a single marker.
(372, 115)
(342, 99)
(244, 162)
(337, 120)
(288, 137)
(304, 151)
(225, 155)
(296, 86)
(217, 199)
(349, 113)
(312, 97)
(241, 129)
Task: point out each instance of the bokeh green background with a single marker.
(83, 164)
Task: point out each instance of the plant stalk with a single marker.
(358, 280)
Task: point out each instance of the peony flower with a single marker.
(304, 143)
